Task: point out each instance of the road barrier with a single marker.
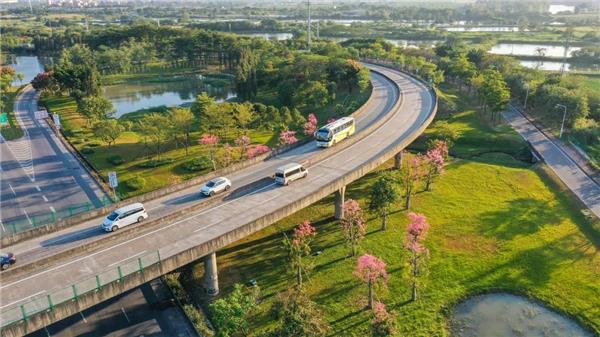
(72, 293)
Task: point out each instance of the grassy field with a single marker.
(497, 223)
(13, 131)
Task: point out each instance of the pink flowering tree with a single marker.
(435, 159)
(287, 137)
(310, 127)
(383, 321)
(243, 142)
(298, 247)
(256, 150)
(211, 141)
(331, 120)
(411, 174)
(415, 235)
(228, 151)
(371, 270)
(353, 224)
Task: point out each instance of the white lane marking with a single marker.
(23, 299)
(38, 188)
(44, 197)
(12, 189)
(28, 218)
(52, 209)
(2, 225)
(83, 317)
(127, 258)
(124, 313)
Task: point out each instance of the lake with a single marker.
(555, 9)
(527, 49)
(483, 29)
(506, 315)
(29, 66)
(271, 36)
(556, 66)
(130, 97)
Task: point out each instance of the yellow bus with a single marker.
(335, 132)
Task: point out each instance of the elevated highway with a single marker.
(103, 265)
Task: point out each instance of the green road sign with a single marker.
(3, 119)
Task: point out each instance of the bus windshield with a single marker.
(323, 134)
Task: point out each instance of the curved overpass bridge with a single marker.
(104, 265)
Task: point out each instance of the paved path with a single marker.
(586, 189)
(205, 223)
(37, 174)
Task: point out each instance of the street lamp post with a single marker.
(562, 125)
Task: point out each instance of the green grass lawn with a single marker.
(13, 130)
(497, 223)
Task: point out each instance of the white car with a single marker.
(215, 186)
(124, 216)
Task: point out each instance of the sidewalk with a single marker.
(566, 168)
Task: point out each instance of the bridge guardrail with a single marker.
(48, 302)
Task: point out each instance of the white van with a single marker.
(124, 216)
(290, 172)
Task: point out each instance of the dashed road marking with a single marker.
(38, 188)
(28, 218)
(44, 197)
(23, 299)
(12, 189)
(124, 313)
(83, 317)
(52, 209)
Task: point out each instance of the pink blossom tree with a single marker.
(256, 150)
(211, 141)
(353, 224)
(243, 142)
(331, 120)
(383, 321)
(311, 125)
(287, 137)
(371, 270)
(298, 248)
(411, 173)
(227, 154)
(415, 235)
(435, 159)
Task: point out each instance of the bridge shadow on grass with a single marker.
(520, 217)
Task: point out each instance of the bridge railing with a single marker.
(25, 223)
(47, 302)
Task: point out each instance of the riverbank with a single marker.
(13, 131)
(497, 222)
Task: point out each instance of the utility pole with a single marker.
(308, 28)
(562, 125)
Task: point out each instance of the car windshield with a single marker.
(112, 216)
(323, 134)
(211, 183)
(279, 174)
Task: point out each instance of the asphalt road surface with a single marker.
(37, 174)
(205, 223)
(148, 310)
(584, 187)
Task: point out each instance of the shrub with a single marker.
(93, 144)
(135, 183)
(115, 160)
(155, 162)
(87, 150)
(197, 164)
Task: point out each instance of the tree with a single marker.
(287, 138)
(353, 224)
(298, 316)
(435, 160)
(313, 94)
(181, 122)
(95, 108)
(76, 72)
(416, 231)
(383, 195)
(211, 141)
(44, 81)
(410, 175)
(256, 150)
(7, 75)
(152, 128)
(383, 323)
(371, 270)
(494, 91)
(298, 248)
(202, 104)
(243, 142)
(310, 127)
(230, 314)
(108, 130)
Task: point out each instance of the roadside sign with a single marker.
(112, 179)
(3, 119)
(56, 119)
(41, 114)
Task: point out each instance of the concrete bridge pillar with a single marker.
(398, 160)
(211, 278)
(339, 202)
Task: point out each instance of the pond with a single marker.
(555, 9)
(506, 315)
(531, 49)
(271, 36)
(130, 97)
(483, 29)
(556, 66)
(28, 65)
